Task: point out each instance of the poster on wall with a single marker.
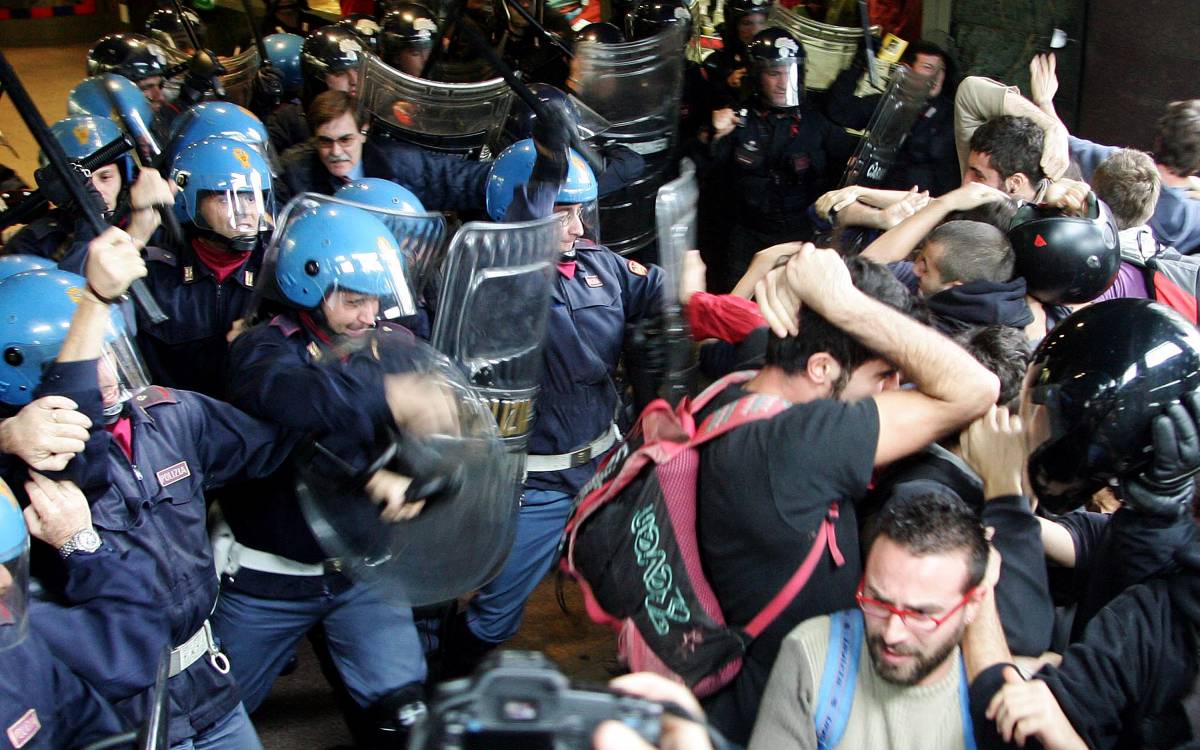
(19, 9)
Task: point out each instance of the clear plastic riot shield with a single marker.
(491, 319)
(466, 526)
(238, 79)
(830, 49)
(636, 87)
(675, 215)
(905, 99)
(459, 118)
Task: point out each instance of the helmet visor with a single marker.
(779, 83)
(240, 210)
(121, 372)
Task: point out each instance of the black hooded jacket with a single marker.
(980, 303)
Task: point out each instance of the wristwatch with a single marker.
(86, 540)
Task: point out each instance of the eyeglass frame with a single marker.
(325, 143)
(565, 215)
(904, 614)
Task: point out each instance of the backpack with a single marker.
(632, 545)
(1171, 278)
(835, 695)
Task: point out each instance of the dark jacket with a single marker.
(980, 303)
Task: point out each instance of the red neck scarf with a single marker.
(223, 263)
(122, 432)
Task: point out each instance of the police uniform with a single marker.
(188, 350)
(48, 236)
(152, 500)
(279, 582)
(595, 296)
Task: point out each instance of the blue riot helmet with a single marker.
(283, 50)
(515, 165)
(14, 570)
(329, 249)
(219, 119)
(381, 193)
(10, 265)
(80, 136)
(36, 308)
(225, 191)
(116, 98)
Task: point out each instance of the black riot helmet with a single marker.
(652, 17)
(1066, 259)
(603, 33)
(130, 55)
(1102, 376)
(734, 12)
(330, 49)
(166, 26)
(406, 26)
(777, 64)
(365, 26)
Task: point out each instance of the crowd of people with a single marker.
(982, 374)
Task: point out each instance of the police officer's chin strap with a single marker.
(114, 412)
(242, 243)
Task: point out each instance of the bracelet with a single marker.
(100, 297)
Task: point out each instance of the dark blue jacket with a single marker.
(50, 236)
(442, 182)
(280, 372)
(183, 444)
(584, 335)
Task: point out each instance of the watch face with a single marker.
(87, 540)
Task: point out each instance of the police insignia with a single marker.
(314, 351)
(24, 728)
(242, 157)
(81, 134)
(74, 294)
(637, 268)
(173, 473)
(189, 274)
(593, 281)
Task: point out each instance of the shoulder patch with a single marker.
(23, 729)
(636, 268)
(155, 395)
(158, 255)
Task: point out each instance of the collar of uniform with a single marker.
(192, 268)
(286, 324)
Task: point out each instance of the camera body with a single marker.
(519, 699)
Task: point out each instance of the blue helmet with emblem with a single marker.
(381, 193)
(115, 98)
(235, 175)
(36, 308)
(515, 165)
(283, 50)
(82, 135)
(222, 119)
(14, 579)
(331, 247)
(10, 265)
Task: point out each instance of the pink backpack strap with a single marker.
(749, 408)
(714, 390)
(826, 537)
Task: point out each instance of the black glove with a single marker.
(554, 130)
(203, 75)
(268, 88)
(1165, 488)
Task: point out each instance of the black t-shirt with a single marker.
(764, 489)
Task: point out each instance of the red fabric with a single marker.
(122, 432)
(315, 329)
(221, 262)
(722, 316)
(1170, 294)
(357, 6)
(567, 268)
(899, 17)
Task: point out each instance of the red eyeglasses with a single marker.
(918, 622)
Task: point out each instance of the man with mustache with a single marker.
(921, 587)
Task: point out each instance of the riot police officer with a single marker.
(167, 27)
(284, 52)
(407, 37)
(782, 154)
(338, 271)
(133, 56)
(597, 293)
(152, 454)
(365, 26)
(726, 68)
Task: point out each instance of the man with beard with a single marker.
(920, 589)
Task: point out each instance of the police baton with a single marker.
(516, 84)
(50, 191)
(524, 13)
(263, 60)
(67, 175)
(187, 25)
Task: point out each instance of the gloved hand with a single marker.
(554, 129)
(1165, 488)
(268, 87)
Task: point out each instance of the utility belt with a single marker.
(576, 458)
(241, 556)
(190, 651)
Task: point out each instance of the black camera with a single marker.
(518, 700)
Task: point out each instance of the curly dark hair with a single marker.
(1013, 145)
(1177, 141)
(934, 523)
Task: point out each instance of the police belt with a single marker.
(190, 651)
(576, 458)
(241, 556)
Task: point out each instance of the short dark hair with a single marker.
(972, 251)
(998, 213)
(1177, 141)
(1013, 145)
(934, 523)
(791, 354)
(1004, 350)
(329, 106)
(1130, 184)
